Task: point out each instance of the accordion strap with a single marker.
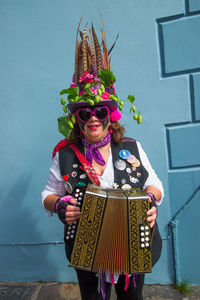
(89, 169)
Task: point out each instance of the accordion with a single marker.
(113, 235)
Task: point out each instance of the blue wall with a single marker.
(151, 60)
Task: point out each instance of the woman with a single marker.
(118, 162)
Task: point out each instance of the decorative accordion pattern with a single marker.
(113, 235)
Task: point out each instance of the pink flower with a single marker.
(94, 91)
(72, 85)
(115, 116)
(105, 96)
(81, 93)
(86, 77)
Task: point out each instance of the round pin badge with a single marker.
(82, 176)
(126, 187)
(74, 173)
(128, 170)
(132, 159)
(68, 187)
(120, 165)
(136, 164)
(124, 154)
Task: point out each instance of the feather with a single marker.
(84, 49)
(97, 50)
(92, 50)
(105, 53)
(113, 44)
(77, 55)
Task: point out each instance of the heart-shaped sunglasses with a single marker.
(85, 114)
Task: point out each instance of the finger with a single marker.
(73, 201)
(71, 208)
(151, 211)
(71, 214)
(71, 219)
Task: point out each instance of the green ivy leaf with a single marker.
(72, 91)
(131, 98)
(63, 126)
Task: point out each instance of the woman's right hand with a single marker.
(72, 211)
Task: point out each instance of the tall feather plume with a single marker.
(104, 44)
(77, 55)
(113, 45)
(93, 56)
(105, 53)
(84, 49)
(97, 50)
(80, 61)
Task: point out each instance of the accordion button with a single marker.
(76, 195)
(142, 233)
(147, 239)
(72, 231)
(147, 233)
(68, 232)
(74, 226)
(142, 239)
(81, 194)
(75, 222)
(146, 227)
(79, 198)
(79, 203)
(67, 237)
(142, 228)
(69, 227)
(77, 190)
(142, 245)
(147, 245)
(71, 236)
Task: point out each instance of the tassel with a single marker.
(134, 281)
(103, 286)
(112, 278)
(126, 282)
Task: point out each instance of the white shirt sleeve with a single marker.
(55, 183)
(152, 179)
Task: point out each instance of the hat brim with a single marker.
(73, 106)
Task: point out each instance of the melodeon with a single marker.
(113, 235)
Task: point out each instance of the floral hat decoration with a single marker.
(93, 82)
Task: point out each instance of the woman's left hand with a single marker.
(152, 215)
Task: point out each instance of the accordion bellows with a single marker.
(113, 235)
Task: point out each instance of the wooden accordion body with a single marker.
(113, 235)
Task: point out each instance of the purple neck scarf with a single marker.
(93, 151)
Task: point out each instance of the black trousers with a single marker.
(88, 284)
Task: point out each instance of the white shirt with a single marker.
(55, 183)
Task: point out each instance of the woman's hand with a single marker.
(152, 215)
(72, 211)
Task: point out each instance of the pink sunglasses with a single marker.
(85, 114)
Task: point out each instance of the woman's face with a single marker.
(95, 130)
